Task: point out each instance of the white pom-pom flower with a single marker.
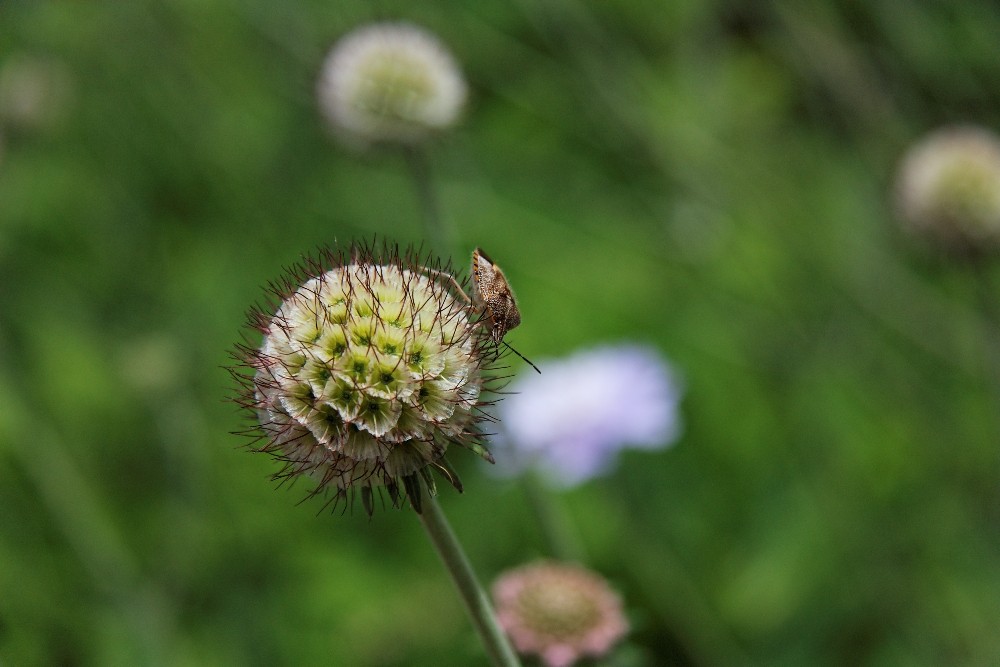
(948, 190)
(36, 92)
(371, 364)
(390, 83)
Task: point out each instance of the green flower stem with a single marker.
(438, 232)
(989, 309)
(557, 528)
(457, 564)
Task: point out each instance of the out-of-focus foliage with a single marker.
(709, 177)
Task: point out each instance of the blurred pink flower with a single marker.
(558, 611)
(570, 421)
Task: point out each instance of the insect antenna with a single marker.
(511, 348)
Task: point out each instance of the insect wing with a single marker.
(484, 275)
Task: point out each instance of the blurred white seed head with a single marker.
(153, 364)
(948, 190)
(35, 92)
(371, 364)
(390, 83)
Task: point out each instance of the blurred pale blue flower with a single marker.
(570, 422)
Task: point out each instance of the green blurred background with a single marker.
(711, 177)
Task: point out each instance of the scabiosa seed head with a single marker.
(570, 422)
(372, 362)
(948, 190)
(390, 83)
(559, 611)
(35, 92)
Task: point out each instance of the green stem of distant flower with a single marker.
(476, 601)
(439, 234)
(556, 526)
(989, 308)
